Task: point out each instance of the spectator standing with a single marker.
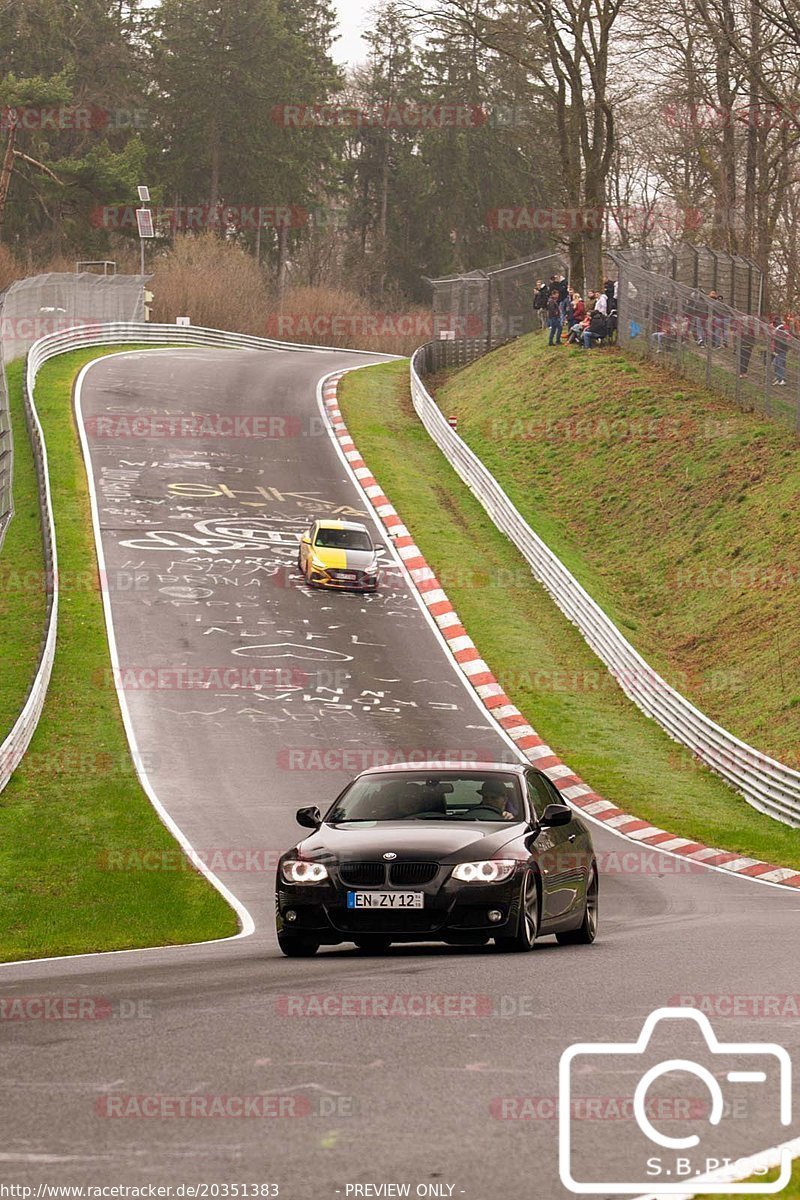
(714, 320)
(611, 295)
(747, 341)
(559, 284)
(697, 311)
(568, 316)
(554, 318)
(540, 301)
(780, 348)
(601, 303)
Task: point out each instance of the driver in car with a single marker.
(495, 796)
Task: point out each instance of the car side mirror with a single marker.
(309, 817)
(556, 814)
(378, 548)
(305, 539)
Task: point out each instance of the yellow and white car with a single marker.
(339, 554)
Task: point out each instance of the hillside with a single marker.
(679, 514)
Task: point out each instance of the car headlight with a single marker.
(317, 563)
(492, 870)
(373, 570)
(296, 870)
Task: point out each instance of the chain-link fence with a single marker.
(43, 304)
(750, 362)
(476, 312)
(737, 281)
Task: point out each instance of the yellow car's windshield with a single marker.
(343, 539)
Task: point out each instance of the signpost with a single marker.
(144, 222)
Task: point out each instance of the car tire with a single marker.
(586, 932)
(529, 919)
(373, 945)
(297, 947)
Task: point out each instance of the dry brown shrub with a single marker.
(219, 285)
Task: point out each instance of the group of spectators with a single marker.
(706, 324)
(586, 322)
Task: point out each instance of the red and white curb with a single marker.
(463, 649)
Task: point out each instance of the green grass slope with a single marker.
(75, 799)
(679, 514)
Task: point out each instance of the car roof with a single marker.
(481, 768)
(328, 523)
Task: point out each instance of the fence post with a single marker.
(489, 311)
(707, 336)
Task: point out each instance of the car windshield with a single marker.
(426, 797)
(343, 539)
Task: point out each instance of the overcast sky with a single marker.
(353, 17)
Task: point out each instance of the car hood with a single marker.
(345, 560)
(445, 841)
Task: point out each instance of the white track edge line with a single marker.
(741, 1169)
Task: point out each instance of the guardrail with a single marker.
(6, 453)
(769, 786)
(16, 743)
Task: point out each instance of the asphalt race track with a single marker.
(199, 537)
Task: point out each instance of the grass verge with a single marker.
(790, 1192)
(75, 799)
(22, 604)
(529, 644)
(676, 511)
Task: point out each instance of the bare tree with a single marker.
(565, 49)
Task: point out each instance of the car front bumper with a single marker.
(324, 579)
(452, 911)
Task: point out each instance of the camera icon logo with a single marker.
(699, 1154)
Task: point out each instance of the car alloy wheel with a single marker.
(528, 929)
(586, 932)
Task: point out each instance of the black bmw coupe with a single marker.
(426, 853)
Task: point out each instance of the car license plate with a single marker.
(347, 575)
(385, 900)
